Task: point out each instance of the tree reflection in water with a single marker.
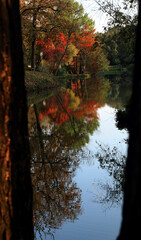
(56, 197)
(59, 128)
(113, 161)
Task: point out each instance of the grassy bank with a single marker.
(115, 70)
(119, 70)
(36, 81)
(73, 76)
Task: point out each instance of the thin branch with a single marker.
(37, 9)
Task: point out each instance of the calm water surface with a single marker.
(78, 158)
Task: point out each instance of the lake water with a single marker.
(78, 159)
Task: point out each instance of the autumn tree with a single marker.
(39, 17)
(55, 36)
(73, 23)
(15, 182)
(33, 13)
(59, 48)
(54, 48)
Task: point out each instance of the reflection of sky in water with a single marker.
(108, 133)
(97, 222)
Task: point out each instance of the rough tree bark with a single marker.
(33, 38)
(130, 228)
(15, 182)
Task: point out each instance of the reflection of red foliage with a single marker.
(54, 110)
(56, 113)
(75, 85)
(88, 110)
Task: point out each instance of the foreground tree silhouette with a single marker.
(15, 182)
(130, 228)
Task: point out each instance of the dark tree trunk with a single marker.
(131, 223)
(33, 38)
(15, 182)
(33, 54)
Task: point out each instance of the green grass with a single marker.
(115, 70)
(35, 81)
(73, 76)
(38, 81)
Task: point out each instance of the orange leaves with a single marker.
(85, 39)
(54, 46)
(62, 38)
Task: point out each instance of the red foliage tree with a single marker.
(84, 40)
(54, 46)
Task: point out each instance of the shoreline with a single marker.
(38, 81)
